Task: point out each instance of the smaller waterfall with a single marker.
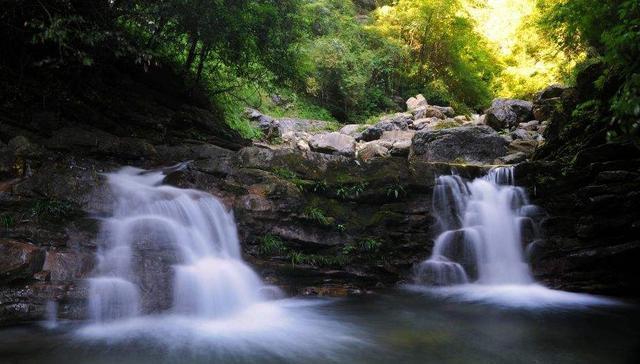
(482, 224)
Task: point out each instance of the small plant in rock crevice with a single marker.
(52, 208)
(316, 214)
(351, 191)
(396, 190)
(271, 245)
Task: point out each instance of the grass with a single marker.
(7, 221)
(298, 258)
(316, 214)
(351, 191)
(446, 125)
(271, 245)
(291, 176)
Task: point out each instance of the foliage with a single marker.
(291, 176)
(7, 221)
(271, 245)
(445, 57)
(316, 214)
(396, 190)
(351, 190)
(607, 32)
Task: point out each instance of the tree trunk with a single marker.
(192, 53)
(204, 51)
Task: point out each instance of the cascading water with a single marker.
(170, 269)
(211, 280)
(482, 225)
(486, 226)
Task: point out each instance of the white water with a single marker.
(216, 298)
(486, 225)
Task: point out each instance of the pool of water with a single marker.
(399, 326)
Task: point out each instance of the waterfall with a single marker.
(482, 224)
(209, 277)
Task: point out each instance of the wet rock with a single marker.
(473, 144)
(508, 113)
(19, 260)
(335, 143)
(67, 266)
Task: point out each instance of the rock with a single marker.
(530, 125)
(447, 111)
(399, 141)
(19, 260)
(549, 92)
(334, 143)
(428, 112)
(414, 103)
(22, 147)
(353, 130)
(473, 144)
(398, 121)
(423, 123)
(521, 134)
(508, 113)
(543, 109)
(372, 150)
(65, 266)
(525, 146)
(512, 158)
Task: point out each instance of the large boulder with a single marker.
(471, 144)
(372, 150)
(508, 113)
(333, 143)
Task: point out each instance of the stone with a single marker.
(333, 143)
(66, 265)
(473, 144)
(19, 260)
(414, 103)
(353, 130)
(22, 147)
(508, 113)
(512, 158)
(398, 121)
(419, 124)
(525, 146)
(532, 125)
(521, 134)
(428, 112)
(549, 92)
(372, 150)
(543, 109)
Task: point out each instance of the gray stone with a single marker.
(508, 113)
(333, 143)
(473, 144)
(372, 150)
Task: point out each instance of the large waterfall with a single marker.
(170, 269)
(210, 279)
(485, 227)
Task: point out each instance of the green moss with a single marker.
(446, 125)
(298, 258)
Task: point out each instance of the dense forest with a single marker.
(340, 59)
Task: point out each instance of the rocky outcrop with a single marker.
(470, 144)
